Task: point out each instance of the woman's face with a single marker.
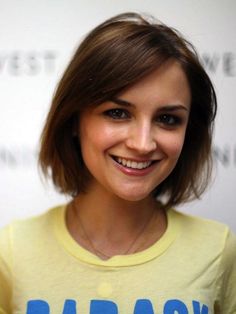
(130, 144)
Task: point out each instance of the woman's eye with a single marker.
(117, 113)
(169, 120)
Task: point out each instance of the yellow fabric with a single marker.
(190, 270)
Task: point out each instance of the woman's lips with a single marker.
(134, 167)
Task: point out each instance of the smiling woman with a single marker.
(142, 130)
(128, 136)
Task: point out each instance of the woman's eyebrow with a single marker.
(168, 108)
(122, 102)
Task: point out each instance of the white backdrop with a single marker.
(37, 39)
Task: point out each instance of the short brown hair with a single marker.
(113, 56)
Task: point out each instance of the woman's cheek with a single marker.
(112, 133)
(104, 136)
(172, 144)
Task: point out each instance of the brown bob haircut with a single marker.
(113, 56)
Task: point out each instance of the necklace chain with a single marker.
(131, 245)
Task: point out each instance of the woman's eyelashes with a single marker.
(169, 120)
(117, 114)
(163, 119)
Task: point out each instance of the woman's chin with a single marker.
(134, 196)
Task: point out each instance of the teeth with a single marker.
(133, 164)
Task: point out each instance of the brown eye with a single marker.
(169, 120)
(117, 114)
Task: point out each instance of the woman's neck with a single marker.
(115, 226)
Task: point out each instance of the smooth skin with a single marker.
(129, 145)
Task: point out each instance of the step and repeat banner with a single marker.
(37, 39)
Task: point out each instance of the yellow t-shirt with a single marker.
(190, 270)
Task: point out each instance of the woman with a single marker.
(128, 136)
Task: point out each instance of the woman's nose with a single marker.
(141, 138)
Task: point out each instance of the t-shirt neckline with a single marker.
(75, 249)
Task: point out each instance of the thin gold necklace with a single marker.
(98, 251)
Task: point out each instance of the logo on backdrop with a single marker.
(225, 155)
(220, 62)
(27, 63)
(32, 63)
(26, 157)
(17, 157)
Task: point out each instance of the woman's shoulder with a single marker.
(199, 224)
(205, 233)
(29, 228)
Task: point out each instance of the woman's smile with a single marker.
(131, 163)
(131, 143)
